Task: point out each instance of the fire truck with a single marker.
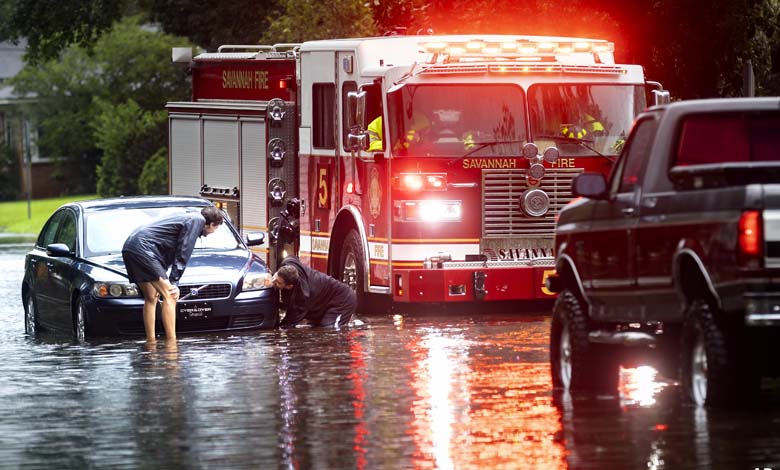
(420, 169)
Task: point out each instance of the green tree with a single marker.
(304, 20)
(52, 25)
(698, 50)
(128, 63)
(212, 23)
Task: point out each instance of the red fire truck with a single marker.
(428, 168)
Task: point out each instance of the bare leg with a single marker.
(170, 295)
(150, 307)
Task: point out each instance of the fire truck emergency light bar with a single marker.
(527, 50)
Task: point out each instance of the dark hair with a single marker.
(289, 274)
(212, 215)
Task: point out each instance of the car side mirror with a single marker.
(592, 185)
(254, 238)
(58, 250)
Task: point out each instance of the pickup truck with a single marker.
(676, 254)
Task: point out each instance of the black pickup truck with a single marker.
(677, 254)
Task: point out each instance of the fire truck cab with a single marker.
(427, 168)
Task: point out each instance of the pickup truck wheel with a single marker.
(712, 373)
(576, 364)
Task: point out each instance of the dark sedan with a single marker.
(75, 279)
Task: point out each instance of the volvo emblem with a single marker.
(194, 292)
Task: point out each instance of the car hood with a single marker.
(204, 266)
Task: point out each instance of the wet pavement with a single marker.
(422, 392)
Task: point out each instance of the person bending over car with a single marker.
(153, 248)
(313, 296)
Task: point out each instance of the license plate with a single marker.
(195, 310)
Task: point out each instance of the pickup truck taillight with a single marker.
(750, 236)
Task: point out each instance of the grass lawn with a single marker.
(13, 214)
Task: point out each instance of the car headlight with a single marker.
(115, 289)
(256, 278)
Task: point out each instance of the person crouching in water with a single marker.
(313, 296)
(153, 248)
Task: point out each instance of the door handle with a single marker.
(627, 211)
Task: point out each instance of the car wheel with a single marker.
(351, 266)
(713, 373)
(80, 321)
(576, 364)
(30, 316)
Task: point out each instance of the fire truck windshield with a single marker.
(583, 119)
(454, 120)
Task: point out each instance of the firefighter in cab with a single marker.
(415, 128)
(581, 123)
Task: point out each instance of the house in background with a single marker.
(32, 172)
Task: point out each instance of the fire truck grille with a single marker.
(502, 215)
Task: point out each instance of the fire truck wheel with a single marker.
(351, 265)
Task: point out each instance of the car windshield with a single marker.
(580, 118)
(456, 120)
(107, 230)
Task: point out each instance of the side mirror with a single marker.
(356, 103)
(592, 185)
(254, 238)
(58, 249)
(661, 97)
(356, 120)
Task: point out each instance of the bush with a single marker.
(9, 174)
(128, 137)
(154, 177)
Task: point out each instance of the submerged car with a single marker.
(75, 279)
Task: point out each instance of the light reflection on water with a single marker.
(443, 392)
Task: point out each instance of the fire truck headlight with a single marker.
(530, 151)
(277, 190)
(551, 154)
(431, 211)
(276, 151)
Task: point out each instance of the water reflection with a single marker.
(476, 410)
(639, 386)
(402, 392)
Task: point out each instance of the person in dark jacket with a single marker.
(313, 296)
(154, 248)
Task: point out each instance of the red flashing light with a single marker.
(420, 181)
(282, 84)
(750, 235)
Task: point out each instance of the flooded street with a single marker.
(427, 392)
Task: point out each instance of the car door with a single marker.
(613, 233)
(39, 269)
(61, 271)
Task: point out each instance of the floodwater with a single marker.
(401, 392)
